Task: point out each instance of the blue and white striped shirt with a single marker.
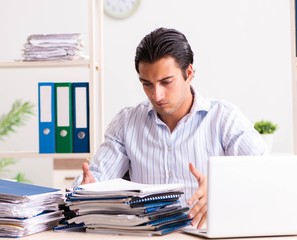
(138, 141)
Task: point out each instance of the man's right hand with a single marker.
(87, 174)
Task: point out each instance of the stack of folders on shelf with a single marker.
(122, 207)
(26, 209)
(63, 117)
(53, 47)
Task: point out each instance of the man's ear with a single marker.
(190, 73)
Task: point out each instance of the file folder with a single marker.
(46, 116)
(80, 106)
(63, 117)
(18, 192)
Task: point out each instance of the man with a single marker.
(170, 137)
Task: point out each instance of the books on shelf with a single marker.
(120, 207)
(26, 209)
(54, 47)
(63, 117)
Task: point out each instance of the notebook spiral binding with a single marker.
(169, 219)
(150, 207)
(176, 226)
(167, 213)
(69, 227)
(153, 198)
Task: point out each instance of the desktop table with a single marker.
(64, 235)
(51, 235)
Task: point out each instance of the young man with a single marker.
(170, 137)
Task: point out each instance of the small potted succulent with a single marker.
(266, 129)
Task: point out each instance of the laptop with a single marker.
(250, 196)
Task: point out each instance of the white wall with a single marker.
(242, 53)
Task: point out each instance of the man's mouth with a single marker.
(161, 104)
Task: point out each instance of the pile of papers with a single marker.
(122, 207)
(26, 209)
(54, 47)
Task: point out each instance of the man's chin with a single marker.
(163, 111)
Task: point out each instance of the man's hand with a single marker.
(198, 201)
(87, 175)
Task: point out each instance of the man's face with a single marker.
(166, 88)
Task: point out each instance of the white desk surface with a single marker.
(51, 235)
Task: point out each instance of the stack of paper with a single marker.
(52, 47)
(122, 207)
(26, 209)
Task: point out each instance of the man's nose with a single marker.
(158, 93)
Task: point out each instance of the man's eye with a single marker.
(166, 83)
(146, 84)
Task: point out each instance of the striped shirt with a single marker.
(138, 141)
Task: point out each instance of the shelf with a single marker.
(91, 71)
(46, 64)
(38, 155)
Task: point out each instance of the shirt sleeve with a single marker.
(111, 160)
(239, 137)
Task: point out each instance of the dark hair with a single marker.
(164, 42)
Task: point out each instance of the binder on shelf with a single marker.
(63, 106)
(46, 116)
(80, 106)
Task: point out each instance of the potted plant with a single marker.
(266, 129)
(15, 118)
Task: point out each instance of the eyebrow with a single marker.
(163, 79)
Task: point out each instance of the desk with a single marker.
(51, 235)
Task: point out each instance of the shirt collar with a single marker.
(200, 103)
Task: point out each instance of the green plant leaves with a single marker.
(265, 127)
(16, 117)
(5, 162)
(20, 177)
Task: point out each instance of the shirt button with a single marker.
(170, 174)
(169, 148)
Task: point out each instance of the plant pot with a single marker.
(268, 140)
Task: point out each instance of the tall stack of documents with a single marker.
(26, 209)
(122, 207)
(53, 47)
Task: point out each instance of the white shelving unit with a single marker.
(95, 73)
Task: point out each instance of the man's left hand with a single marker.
(198, 201)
